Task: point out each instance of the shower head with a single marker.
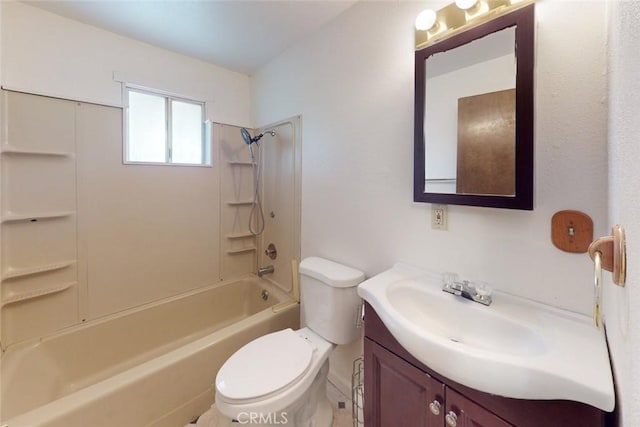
(246, 136)
(249, 140)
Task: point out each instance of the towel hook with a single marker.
(613, 256)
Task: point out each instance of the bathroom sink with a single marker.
(514, 347)
(461, 321)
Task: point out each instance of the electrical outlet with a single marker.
(439, 217)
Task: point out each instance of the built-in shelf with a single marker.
(33, 217)
(11, 150)
(240, 202)
(241, 251)
(239, 236)
(13, 273)
(18, 297)
(235, 163)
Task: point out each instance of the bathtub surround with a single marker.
(136, 224)
(237, 245)
(102, 229)
(134, 235)
(281, 194)
(241, 250)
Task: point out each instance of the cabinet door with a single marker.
(397, 393)
(462, 412)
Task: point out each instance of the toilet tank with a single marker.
(329, 299)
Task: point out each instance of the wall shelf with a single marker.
(241, 251)
(13, 273)
(239, 236)
(240, 202)
(11, 217)
(18, 297)
(235, 163)
(11, 150)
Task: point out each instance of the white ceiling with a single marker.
(239, 35)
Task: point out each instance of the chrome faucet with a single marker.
(470, 291)
(265, 270)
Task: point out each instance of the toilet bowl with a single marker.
(280, 378)
(276, 384)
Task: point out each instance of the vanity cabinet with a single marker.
(401, 394)
(400, 391)
(404, 395)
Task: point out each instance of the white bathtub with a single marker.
(152, 366)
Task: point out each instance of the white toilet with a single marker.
(280, 378)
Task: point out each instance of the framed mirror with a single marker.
(474, 106)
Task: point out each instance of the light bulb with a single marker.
(426, 20)
(466, 4)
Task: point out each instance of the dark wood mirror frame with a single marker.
(523, 20)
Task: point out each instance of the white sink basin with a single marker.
(514, 347)
(461, 321)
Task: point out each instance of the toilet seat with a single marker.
(264, 366)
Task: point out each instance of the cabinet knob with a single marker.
(434, 407)
(451, 418)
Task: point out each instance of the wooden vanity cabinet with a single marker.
(400, 391)
(403, 395)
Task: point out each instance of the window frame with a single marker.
(206, 160)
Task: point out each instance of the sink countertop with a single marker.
(514, 348)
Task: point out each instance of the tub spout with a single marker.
(265, 270)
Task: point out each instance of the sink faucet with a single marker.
(265, 270)
(470, 291)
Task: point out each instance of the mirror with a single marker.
(474, 116)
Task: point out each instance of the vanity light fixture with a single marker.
(426, 20)
(478, 8)
(466, 4)
(432, 26)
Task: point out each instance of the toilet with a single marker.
(280, 378)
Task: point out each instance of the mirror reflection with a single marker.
(470, 117)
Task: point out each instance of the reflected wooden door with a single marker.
(486, 144)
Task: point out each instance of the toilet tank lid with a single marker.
(331, 273)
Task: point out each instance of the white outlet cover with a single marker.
(439, 217)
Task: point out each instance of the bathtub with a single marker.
(151, 366)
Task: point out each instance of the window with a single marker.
(164, 129)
